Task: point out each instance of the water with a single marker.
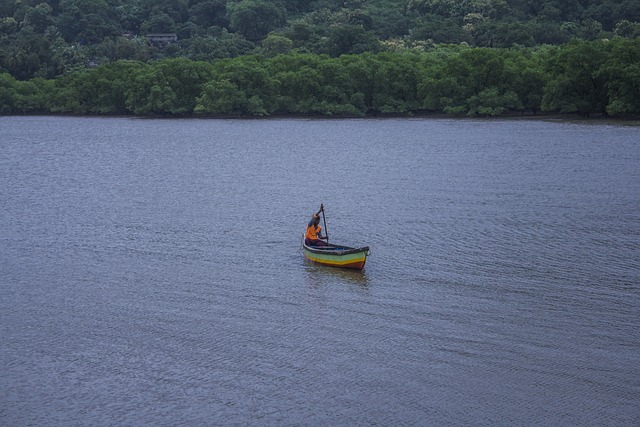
(151, 272)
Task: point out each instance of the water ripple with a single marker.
(151, 272)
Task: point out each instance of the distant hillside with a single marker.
(51, 38)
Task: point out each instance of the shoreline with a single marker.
(515, 116)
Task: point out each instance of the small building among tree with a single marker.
(161, 39)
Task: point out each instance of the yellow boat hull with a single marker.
(337, 256)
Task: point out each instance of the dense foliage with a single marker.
(579, 77)
(50, 38)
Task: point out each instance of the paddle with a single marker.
(324, 220)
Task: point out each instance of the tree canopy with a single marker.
(353, 57)
(580, 77)
(49, 38)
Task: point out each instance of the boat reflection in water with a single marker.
(319, 275)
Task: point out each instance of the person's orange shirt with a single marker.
(312, 232)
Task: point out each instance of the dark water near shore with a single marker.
(151, 272)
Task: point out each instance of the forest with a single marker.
(325, 57)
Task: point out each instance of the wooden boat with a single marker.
(337, 255)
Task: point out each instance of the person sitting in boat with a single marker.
(313, 236)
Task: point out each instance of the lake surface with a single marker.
(151, 272)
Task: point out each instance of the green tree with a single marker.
(627, 29)
(224, 97)
(576, 82)
(276, 44)
(87, 21)
(112, 84)
(622, 75)
(65, 97)
(129, 15)
(508, 34)
(169, 87)
(388, 82)
(252, 75)
(439, 30)
(150, 94)
(158, 23)
(355, 81)
(389, 23)
(7, 93)
(474, 82)
(445, 8)
(346, 39)
(254, 19)
(493, 102)
(547, 32)
(299, 90)
(39, 17)
(221, 45)
(69, 58)
(529, 78)
(8, 25)
(299, 80)
(241, 86)
(27, 54)
(209, 13)
(177, 10)
(338, 82)
(32, 96)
